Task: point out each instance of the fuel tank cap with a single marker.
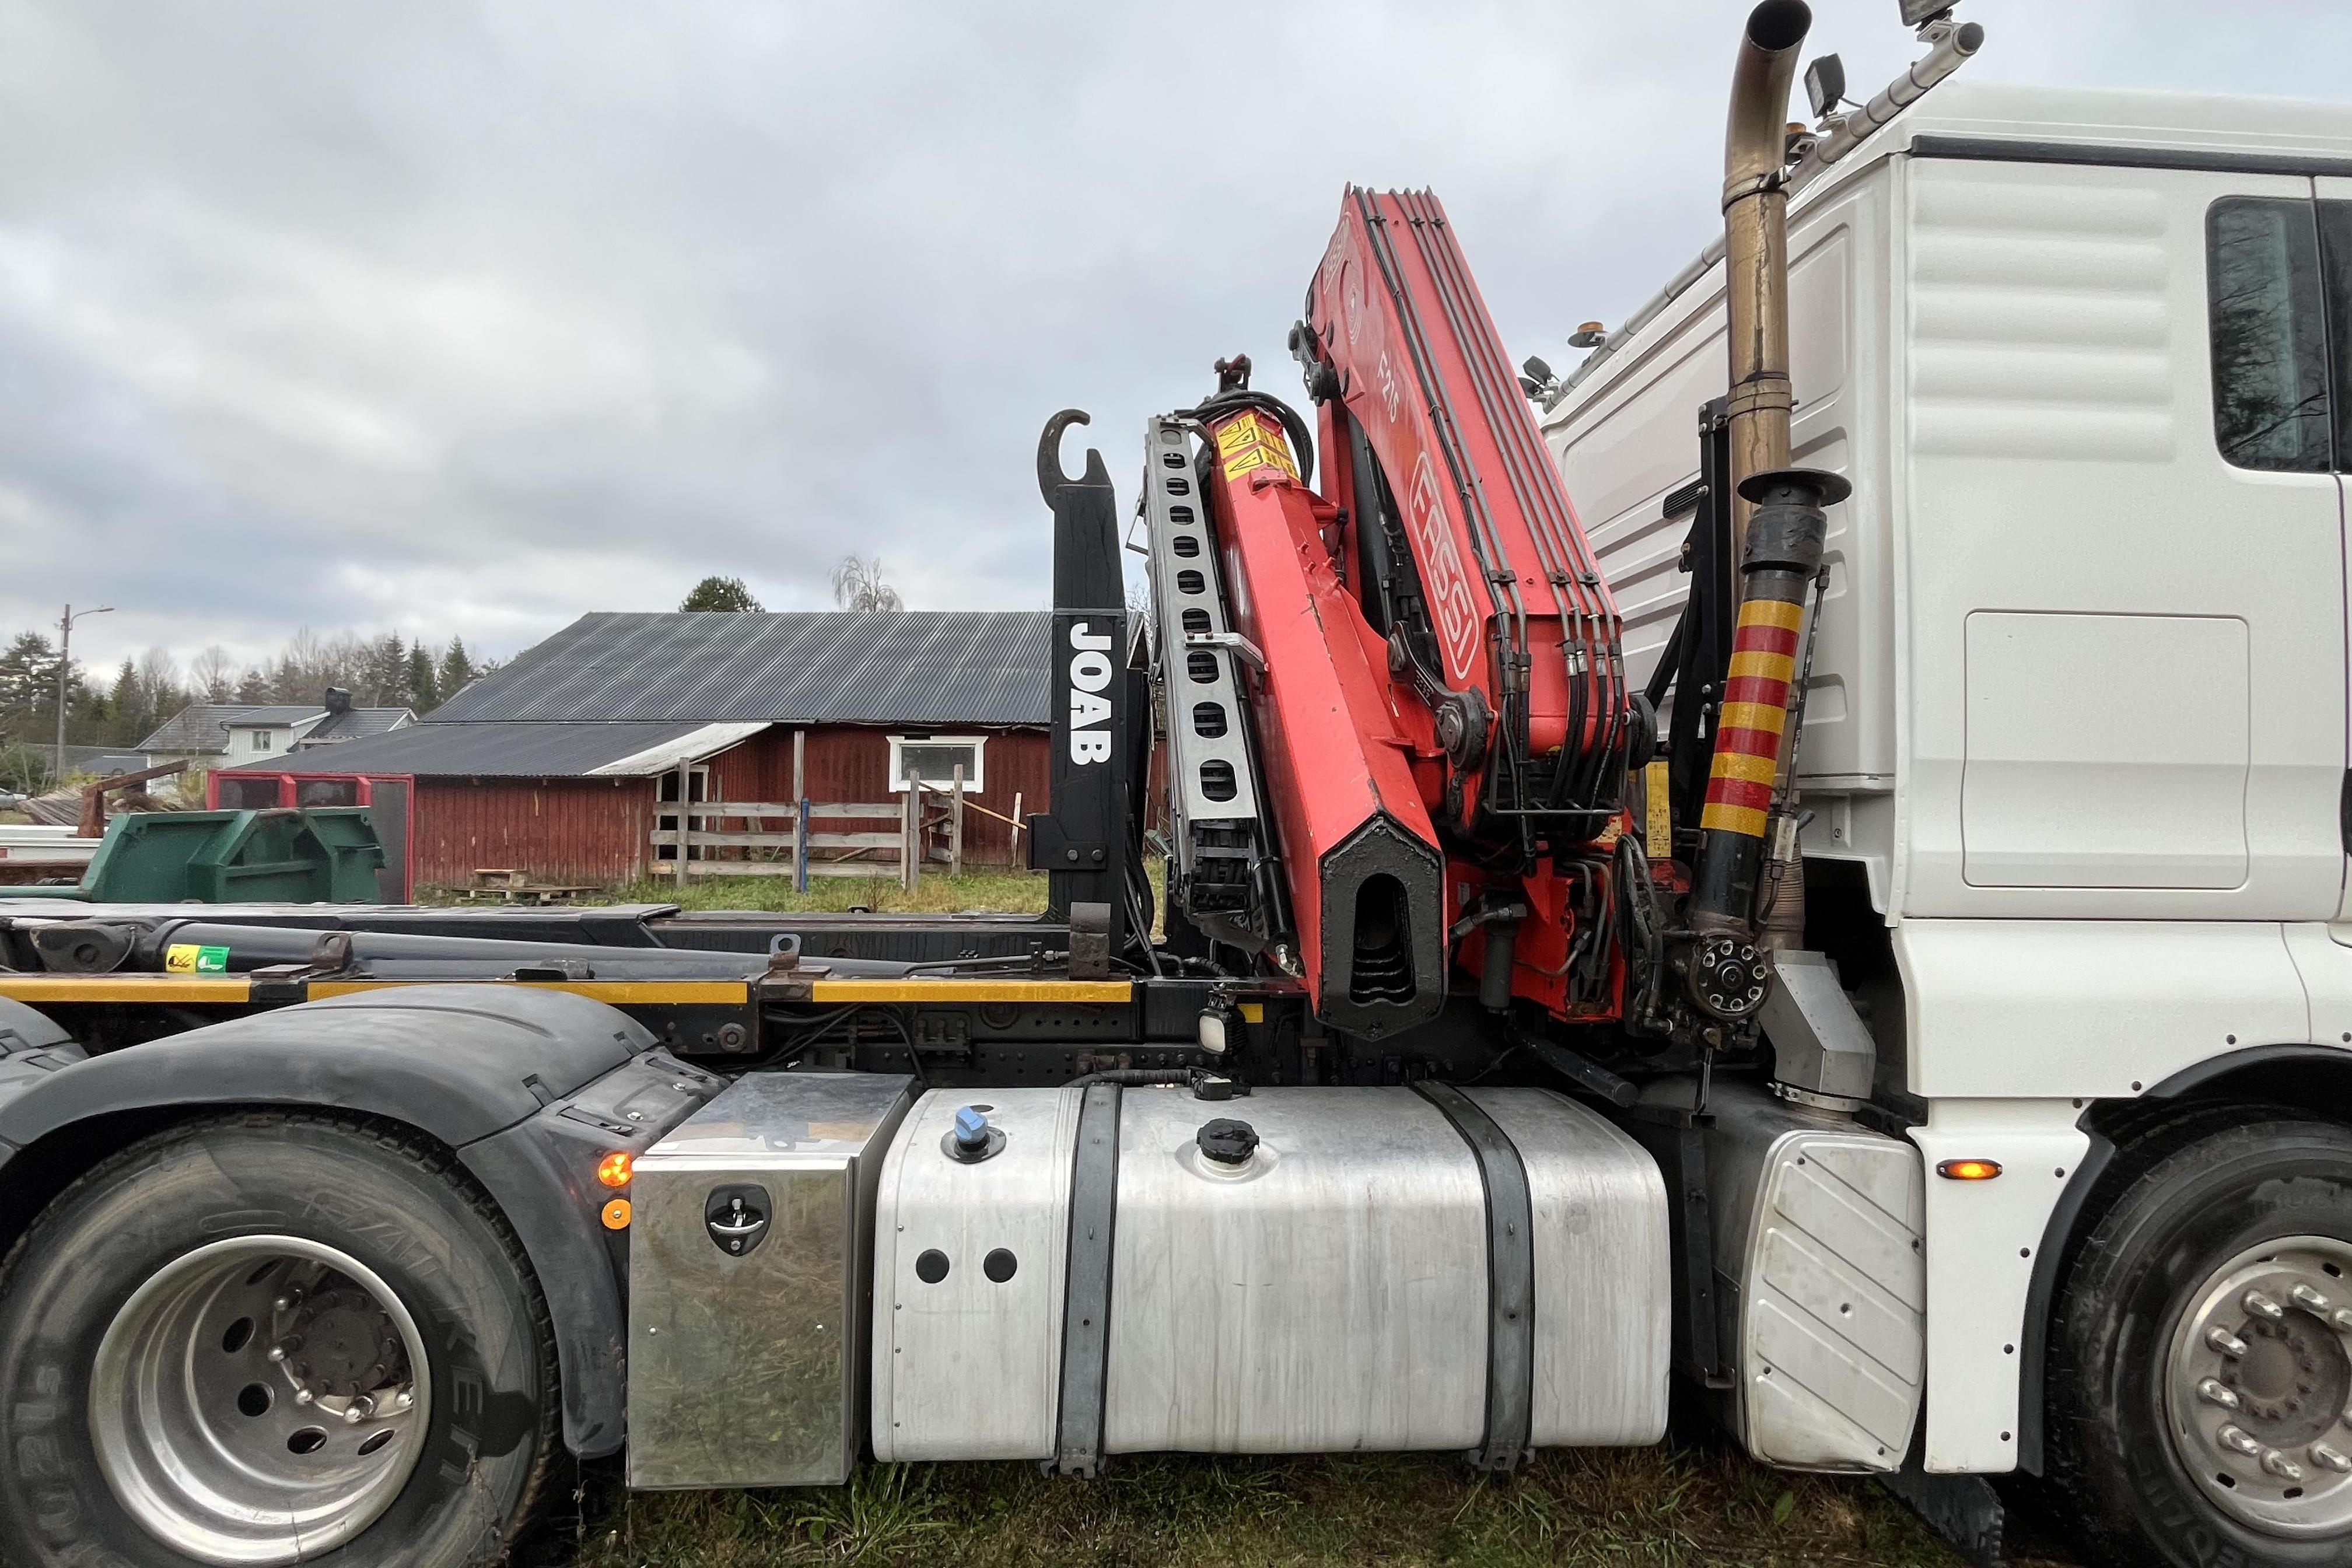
(1226, 1140)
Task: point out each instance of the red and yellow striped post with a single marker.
(1784, 551)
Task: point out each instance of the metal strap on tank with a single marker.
(1085, 1291)
(1511, 1280)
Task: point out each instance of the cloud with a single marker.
(470, 318)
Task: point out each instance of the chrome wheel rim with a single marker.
(259, 1399)
(2258, 1387)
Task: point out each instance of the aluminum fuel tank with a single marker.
(1359, 1268)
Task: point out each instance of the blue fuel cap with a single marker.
(970, 1127)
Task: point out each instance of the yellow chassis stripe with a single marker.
(175, 988)
(953, 990)
(620, 992)
(163, 989)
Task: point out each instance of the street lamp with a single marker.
(65, 664)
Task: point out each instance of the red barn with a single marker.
(566, 765)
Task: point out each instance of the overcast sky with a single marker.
(471, 317)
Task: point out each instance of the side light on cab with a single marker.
(616, 1168)
(1968, 1170)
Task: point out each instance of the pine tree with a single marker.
(423, 688)
(28, 689)
(387, 673)
(727, 595)
(456, 670)
(132, 716)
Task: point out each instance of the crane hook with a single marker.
(1050, 477)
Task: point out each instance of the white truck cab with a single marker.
(2075, 732)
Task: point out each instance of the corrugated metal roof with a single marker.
(931, 667)
(496, 750)
(356, 723)
(204, 726)
(285, 713)
(703, 741)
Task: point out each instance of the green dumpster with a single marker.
(297, 855)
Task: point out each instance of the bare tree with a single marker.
(213, 677)
(858, 584)
(159, 672)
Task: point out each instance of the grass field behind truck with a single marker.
(1696, 1506)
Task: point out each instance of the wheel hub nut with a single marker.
(2282, 1466)
(2332, 1459)
(2213, 1391)
(2262, 1306)
(2237, 1442)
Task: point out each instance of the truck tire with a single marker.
(2200, 1353)
(268, 1338)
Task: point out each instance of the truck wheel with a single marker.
(2200, 1355)
(271, 1339)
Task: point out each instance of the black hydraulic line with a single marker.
(1158, 1078)
(1569, 572)
(1294, 424)
(1663, 677)
(1542, 503)
(1466, 344)
(1485, 546)
(1580, 1069)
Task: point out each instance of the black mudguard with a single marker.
(532, 1087)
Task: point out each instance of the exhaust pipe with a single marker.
(1725, 970)
(1756, 242)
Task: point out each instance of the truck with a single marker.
(1839, 930)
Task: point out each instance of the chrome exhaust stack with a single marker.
(1756, 244)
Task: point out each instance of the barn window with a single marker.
(933, 758)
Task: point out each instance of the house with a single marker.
(559, 764)
(217, 734)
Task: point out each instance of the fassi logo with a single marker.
(1441, 570)
(1090, 673)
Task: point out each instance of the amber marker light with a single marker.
(616, 1168)
(616, 1215)
(1968, 1170)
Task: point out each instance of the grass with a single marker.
(990, 889)
(1663, 1508)
(938, 893)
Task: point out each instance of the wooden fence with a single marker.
(806, 838)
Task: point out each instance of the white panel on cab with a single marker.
(2142, 786)
(2079, 558)
(2086, 1009)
